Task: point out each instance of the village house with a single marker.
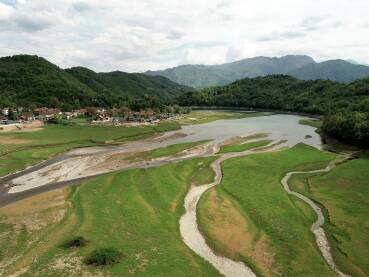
(46, 113)
(5, 111)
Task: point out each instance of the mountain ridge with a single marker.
(300, 66)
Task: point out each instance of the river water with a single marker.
(87, 162)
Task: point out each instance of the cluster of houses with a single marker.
(94, 114)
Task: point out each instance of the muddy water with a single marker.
(80, 163)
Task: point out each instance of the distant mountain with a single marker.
(211, 75)
(33, 81)
(334, 70)
(299, 66)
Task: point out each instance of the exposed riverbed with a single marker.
(79, 164)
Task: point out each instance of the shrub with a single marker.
(75, 243)
(103, 257)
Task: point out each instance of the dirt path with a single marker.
(188, 222)
(316, 227)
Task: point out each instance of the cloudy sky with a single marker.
(137, 35)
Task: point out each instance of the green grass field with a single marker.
(171, 150)
(344, 193)
(28, 148)
(243, 147)
(316, 123)
(249, 214)
(136, 212)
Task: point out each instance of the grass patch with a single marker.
(243, 147)
(316, 123)
(271, 220)
(136, 212)
(171, 150)
(103, 257)
(344, 193)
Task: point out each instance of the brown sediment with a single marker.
(162, 138)
(37, 214)
(12, 140)
(241, 140)
(233, 233)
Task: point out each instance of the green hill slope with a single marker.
(33, 81)
(127, 84)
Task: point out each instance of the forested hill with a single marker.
(127, 84)
(346, 106)
(33, 81)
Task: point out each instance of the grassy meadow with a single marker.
(136, 212)
(344, 194)
(249, 216)
(243, 147)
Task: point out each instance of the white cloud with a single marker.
(155, 34)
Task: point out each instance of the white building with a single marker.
(5, 111)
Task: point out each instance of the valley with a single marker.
(112, 187)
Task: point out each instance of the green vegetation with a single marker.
(349, 127)
(136, 212)
(103, 257)
(171, 150)
(249, 213)
(29, 81)
(21, 149)
(344, 194)
(316, 123)
(345, 106)
(243, 147)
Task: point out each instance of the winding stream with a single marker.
(80, 164)
(188, 222)
(316, 227)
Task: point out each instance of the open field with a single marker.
(250, 217)
(344, 193)
(243, 146)
(136, 212)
